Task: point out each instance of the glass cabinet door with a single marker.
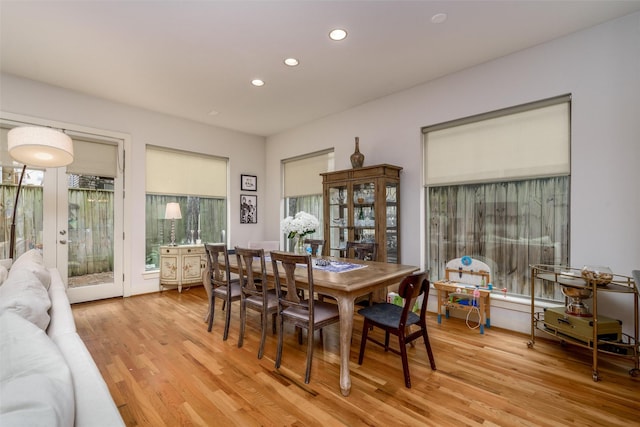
(338, 220)
(391, 192)
(364, 212)
(363, 205)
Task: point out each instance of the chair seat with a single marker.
(388, 315)
(255, 300)
(235, 290)
(322, 311)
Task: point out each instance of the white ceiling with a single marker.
(187, 58)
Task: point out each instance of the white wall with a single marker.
(32, 99)
(600, 67)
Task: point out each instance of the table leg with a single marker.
(345, 307)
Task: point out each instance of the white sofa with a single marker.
(47, 375)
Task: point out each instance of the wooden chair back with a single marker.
(250, 282)
(317, 246)
(287, 288)
(218, 275)
(362, 251)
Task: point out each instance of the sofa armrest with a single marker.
(94, 405)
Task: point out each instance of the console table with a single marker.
(181, 265)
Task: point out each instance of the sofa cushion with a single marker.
(36, 388)
(24, 294)
(32, 261)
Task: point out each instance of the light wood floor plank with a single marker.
(163, 368)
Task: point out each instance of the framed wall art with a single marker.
(248, 183)
(248, 209)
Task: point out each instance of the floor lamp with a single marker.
(172, 212)
(40, 147)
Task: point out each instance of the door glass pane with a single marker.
(90, 230)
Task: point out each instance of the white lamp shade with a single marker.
(173, 211)
(39, 146)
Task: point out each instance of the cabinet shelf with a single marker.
(595, 332)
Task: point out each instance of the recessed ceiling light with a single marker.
(439, 18)
(257, 82)
(338, 34)
(291, 62)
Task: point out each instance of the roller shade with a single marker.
(94, 158)
(302, 175)
(530, 142)
(177, 172)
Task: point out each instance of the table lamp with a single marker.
(173, 212)
(36, 146)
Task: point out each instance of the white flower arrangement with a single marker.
(299, 225)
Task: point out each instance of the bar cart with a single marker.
(574, 324)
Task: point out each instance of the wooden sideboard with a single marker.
(181, 265)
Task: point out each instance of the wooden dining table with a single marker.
(345, 287)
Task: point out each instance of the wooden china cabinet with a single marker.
(363, 205)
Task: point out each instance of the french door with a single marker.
(88, 229)
(75, 213)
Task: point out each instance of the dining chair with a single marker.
(309, 314)
(396, 320)
(223, 286)
(317, 246)
(362, 250)
(254, 293)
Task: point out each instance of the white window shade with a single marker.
(524, 144)
(302, 175)
(94, 158)
(175, 172)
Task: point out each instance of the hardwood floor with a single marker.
(163, 368)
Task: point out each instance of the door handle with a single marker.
(63, 242)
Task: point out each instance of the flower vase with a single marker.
(299, 248)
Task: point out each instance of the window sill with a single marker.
(151, 274)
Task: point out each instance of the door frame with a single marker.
(50, 227)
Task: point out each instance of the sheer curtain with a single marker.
(311, 204)
(28, 218)
(508, 225)
(207, 214)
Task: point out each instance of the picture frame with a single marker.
(248, 183)
(248, 209)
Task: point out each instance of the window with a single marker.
(199, 184)
(497, 189)
(303, 186)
